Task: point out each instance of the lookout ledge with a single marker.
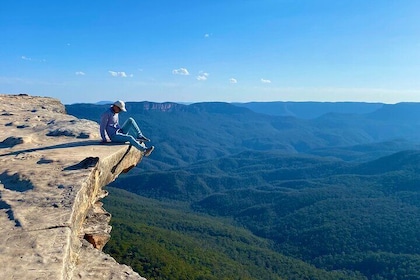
(52, 170)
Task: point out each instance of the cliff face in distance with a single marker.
(52, 170)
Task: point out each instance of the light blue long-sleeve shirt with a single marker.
(109, 124)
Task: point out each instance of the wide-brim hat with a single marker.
(120, 104)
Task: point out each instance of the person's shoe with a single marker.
(148, 151)
(142, 138)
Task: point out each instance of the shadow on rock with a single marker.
(84, 164)
(10, 142)
(15, 182)
(9, 212)
(59, 146)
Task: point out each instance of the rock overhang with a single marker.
(52, 170)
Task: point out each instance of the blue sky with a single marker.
(193, 51)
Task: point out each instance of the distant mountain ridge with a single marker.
(400, 112)
(310, 110)
(201, 131)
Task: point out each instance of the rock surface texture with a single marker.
(52, 170)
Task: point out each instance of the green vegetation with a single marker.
(166, 241)
(232, 194)
(328, 213)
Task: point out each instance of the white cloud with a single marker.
(31, 59)
(233, 81)
(80, 73)
(180, 71)
(264, 81)
(206, 35)
(202, 76)
(121, 74)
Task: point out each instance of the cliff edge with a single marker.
(52, 170)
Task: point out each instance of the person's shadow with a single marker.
(86, 163)
(59, 146)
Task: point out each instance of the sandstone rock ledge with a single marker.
(52, 170)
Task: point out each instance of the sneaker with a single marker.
(148, 151)
(142, 138)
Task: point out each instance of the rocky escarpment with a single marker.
(52, 170)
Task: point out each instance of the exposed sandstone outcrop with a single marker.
(52, 170)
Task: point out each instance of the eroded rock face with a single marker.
(96, 226)
(52, 170)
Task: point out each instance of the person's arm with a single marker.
(103, 125)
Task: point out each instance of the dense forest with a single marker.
(163, 240)
(334, 215)
(234, 194)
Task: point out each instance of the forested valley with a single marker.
(230, 193)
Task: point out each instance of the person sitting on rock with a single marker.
(128, 132)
